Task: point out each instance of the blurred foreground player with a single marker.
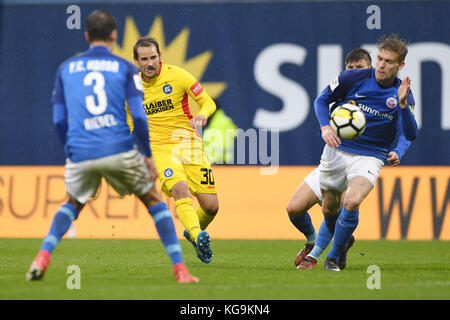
(89, 114)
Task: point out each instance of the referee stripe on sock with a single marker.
(161, 215)
(67, 212)
(52, 239)
(173, 248)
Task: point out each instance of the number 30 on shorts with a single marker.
(208, 177)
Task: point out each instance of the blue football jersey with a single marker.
(380, 105)
(93, 87)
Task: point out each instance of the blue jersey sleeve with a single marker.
(58, 93)
(60, 121)
(321, 107)
(409, 124)
(134, 85)
(402, 143)
(140, 130)
(337, 91)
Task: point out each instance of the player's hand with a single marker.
(153, 173)
(403, 92)
(198, 121)
(393, 159)
(330, 137)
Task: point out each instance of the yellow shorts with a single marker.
(173, 167)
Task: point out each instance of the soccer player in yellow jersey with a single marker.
(183, 167)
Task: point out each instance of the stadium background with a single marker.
(264, 63)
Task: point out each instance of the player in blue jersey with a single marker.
(89, 115)
(354, 165)
(308, 193)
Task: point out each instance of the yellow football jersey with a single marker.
(166, 103)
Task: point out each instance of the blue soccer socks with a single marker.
(304, 225)
(166, 230)
(60, 224)
(346, 224)
(325, 235)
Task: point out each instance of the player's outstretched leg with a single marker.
(307, 263)
(203, 244)
(303, 253)
(166, 231)
(347, 222)
(206, 258)
(38, 266)
(206, 216)
(343, 257)
(182, 275)
(60, 224)
(331, 264)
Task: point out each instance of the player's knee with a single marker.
(351, 203)
(212, 207)
(151, 198)
(77, 205)
(329, 211)
(291, 209)
(180, 190)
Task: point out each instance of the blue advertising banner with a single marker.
(264, 63)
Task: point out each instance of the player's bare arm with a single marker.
(393, 159)
(330, 137)
(403, 92)
(153, 172)
(198, 121)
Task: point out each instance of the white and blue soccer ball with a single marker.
(348, 121)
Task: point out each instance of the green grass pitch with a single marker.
(240, 270)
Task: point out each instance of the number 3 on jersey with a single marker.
(208, 176)
(99, 90)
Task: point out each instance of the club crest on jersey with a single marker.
(391, 102)
(168, 173)
(167, 89)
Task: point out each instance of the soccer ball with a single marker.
(348, 121)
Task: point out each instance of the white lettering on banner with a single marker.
(438, 53)
(417, 54)
(74, 20)
(330, 61)
(295, 98)
(374, 20)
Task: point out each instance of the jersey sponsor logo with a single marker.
(196, 89)
(357, 95)
(158, 106)
(391, 102)
(375, 112)
(167, 89)
(168, 173)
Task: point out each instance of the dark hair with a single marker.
(395, 44)
(100, 24)
(358, 54)
(145, 42)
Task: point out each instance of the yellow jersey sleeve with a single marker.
(129, 118)
(196, 91)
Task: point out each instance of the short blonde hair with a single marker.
(395, 44)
